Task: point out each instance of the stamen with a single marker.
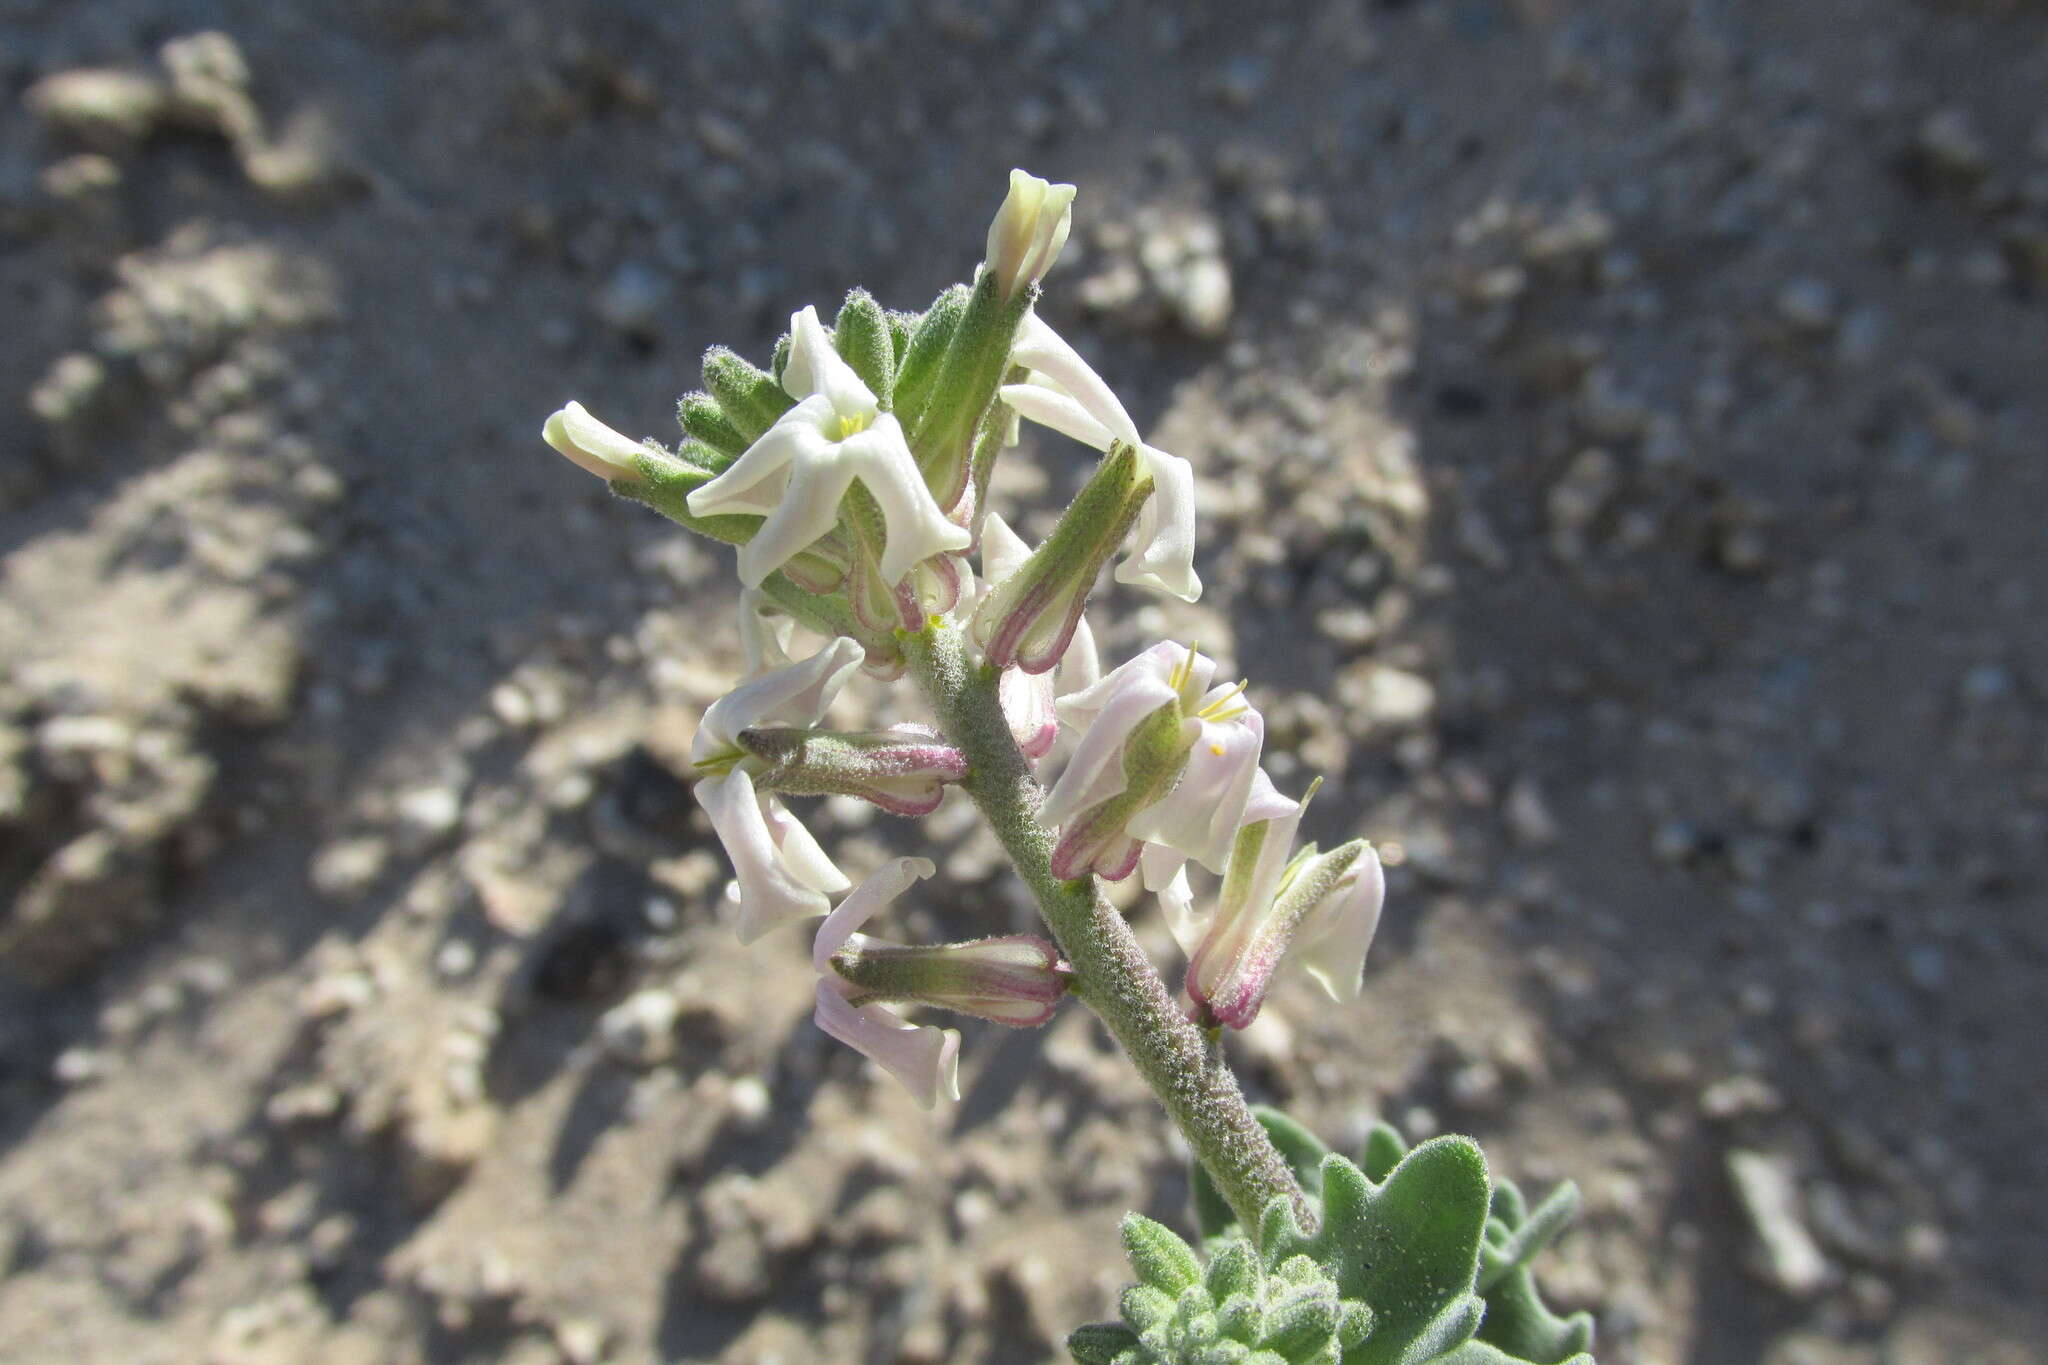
(1225, 707)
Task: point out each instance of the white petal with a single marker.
(771, 892)
(1158, 662)
(796, 695)
(1265, 801)
(801, 857)
(754, 483)
(1003, 551)
(1026, 699)
(814, 367)
(1163, 547)
(1331, 946)
(1080, 667)
(881, 887)
(1159, 864)
(925, 1059)
(1178, 903)
(1038, 347)
(1201, 815)
(809, 509)
(1055, 408)
(764, 637)
(1096, 771)
(916, 529)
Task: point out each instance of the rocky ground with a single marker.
(1619, 429)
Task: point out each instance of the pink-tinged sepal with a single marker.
(1018, 980)
(1029, 615)
(903, 770)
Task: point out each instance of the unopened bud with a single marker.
(904, 771)
(1028, 231)
(593, 446)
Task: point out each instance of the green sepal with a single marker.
(704, 420)
(778, 359)
(1160, 1258)
(925, 351)
(749, 398)
(900, 325)
(666, 484)
(1100, 1343)
(976, 359)
(861, 336)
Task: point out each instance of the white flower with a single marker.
(800, 468)
(1028, 231)
(782, 874)
(925, 1059)
(1067, 395)
(1333, 938)
(1222, 788)
(1092, 800)
(592, 445)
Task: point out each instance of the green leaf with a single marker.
(1303, 1150)
(1162, 1259)
(1383, 1151)
(1100, 1343)
(750, 398)
(1408, 1247)
(1518, 1322)
(861, 335)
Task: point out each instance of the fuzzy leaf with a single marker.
(1100, 1343)
(1383, 1151)
(1518, 1322)
(1408, 1247)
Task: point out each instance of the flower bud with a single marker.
(1029, 615)
(593, 446)
(1028, 231)
(904, 770)
(1018, 980)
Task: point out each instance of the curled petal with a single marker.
(1095, 773)
(925, 1059)
(917, 528)
(867, 900)
(815, 367)
(782, 873)
(1201, 815)
(1038, 347)
(764, 635)
(1027, 702)
(1054, 407)
(796, 695)
(1334, 936)
(756, 482)
(1163, 547)
(1177, 902)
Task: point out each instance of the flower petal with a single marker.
(1201, 815)
(874, 894)
(592, 445)
(782, 874)
(925, 1059)
(1038, 347)
(755, 482)
(914, 525)
(1051, 406)
(1096, 771)
(1332, 944)
(815, 368)
(795, 695)
(1163, 547)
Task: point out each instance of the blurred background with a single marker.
(1619, 432)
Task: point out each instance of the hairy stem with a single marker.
(1114, 975)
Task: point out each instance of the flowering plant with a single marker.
(853, 475)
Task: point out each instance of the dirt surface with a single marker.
(1620, 438)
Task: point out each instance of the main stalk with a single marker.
(1112, 972)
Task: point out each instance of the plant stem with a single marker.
(1114, 975)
